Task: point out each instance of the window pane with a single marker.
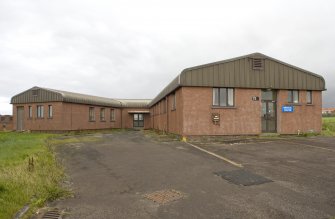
(30, 112)
(112, 115)
(223, 97)
(230, 97)
(295, 96)
(309, 97)
(267, 95)
(215, 96)
(289, 97)
(135, 116)
(140, 116)
(50, 111)
(91, 114)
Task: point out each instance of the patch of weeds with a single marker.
(19, 185)
(328, 126)
(161, 136)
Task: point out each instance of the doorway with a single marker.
(20, 118)
(269, 111)
(138, 121)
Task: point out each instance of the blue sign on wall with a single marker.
(287, 109)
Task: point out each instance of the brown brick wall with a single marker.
(243, 118)
(169, 120)
(67, 116)
(6, 123)
(127, 118)
(306, 117)
(193, 115)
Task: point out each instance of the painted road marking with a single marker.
(307, 145)
(216, 155)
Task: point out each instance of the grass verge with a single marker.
(328, 126)
(20, 186)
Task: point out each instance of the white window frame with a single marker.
(40, 111)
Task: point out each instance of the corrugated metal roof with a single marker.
(135, 103)
(40, 95)
(239, 72)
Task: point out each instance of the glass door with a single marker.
(138, 120)
(269, 109)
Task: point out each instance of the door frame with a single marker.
(275, 118)
(138, 120)
(19, 118)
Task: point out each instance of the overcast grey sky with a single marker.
(132, 49)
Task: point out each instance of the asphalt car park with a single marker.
(136, 174)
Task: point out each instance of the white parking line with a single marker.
(307, 145)
(216, 155)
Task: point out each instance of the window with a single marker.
(112, 115)
(223, 97)
(293, 96)
(309, 98)
(91, 114)
(30, 112)
(102, 114)
(50, 112)
(173, 101)
(40, 111)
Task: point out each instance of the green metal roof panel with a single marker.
(51, 95)
(239, 72)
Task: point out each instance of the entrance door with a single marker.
(138, 120)
(20, 117)
(269, 109)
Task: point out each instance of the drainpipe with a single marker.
(167, 113)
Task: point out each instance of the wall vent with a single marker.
(34, 92)
(257, 64)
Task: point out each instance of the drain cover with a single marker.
(52, 214)
(242, 177)
(164, 196)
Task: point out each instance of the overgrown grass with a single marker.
(328, 126)
(18, 185)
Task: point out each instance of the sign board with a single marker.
(287, 109)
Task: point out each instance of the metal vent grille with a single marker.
(34, 92)
(53, 214)
(164, 196)
(257, 64)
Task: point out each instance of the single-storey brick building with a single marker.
(247, 95)
(47, 109)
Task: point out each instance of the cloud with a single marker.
(132, 49)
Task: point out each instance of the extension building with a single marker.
(46, 109)
(247, 95)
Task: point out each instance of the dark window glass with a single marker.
(173, 101)
(293, 96)
(102, 114)
(112, 115)
(30, 110)
(91, 114)
(50, 111)
(309, 98)
(223, 97)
